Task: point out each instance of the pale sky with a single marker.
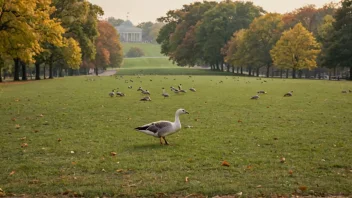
(150, 10)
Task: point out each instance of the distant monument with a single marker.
(128, 32)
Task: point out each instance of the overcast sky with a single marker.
(149, 10)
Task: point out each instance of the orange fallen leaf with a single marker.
(12, 172)
(119, 170)
(36, 131)
(17, 126)
(41, 115)
(23, 138)
(249, 167)
(113, 153)
(225, 163)
(17, 100)
(59, 140)
(239, 121)
(259, 186)
(13, 119)
(290, 172)
(186, 179)
(303, 188)
(73, 163)
(24, 145)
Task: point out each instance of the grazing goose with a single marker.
(193, 89)
(350, 91)
(161, 129)
(164, 93)
(174, 90)
(120, 94)
(344, 91)
(180, 89)
(261, 92)
(130, 87)
(289, 94)
(255, 97)
(139, 89)
(146, 92)
(147, 98)
(112, 93)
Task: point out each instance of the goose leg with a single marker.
(161, 142)
(166, 143)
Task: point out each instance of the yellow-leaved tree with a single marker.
(297, 49)
(72, 53)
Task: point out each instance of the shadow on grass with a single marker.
(152, 146)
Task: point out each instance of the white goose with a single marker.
(161, 129)
(164, 93)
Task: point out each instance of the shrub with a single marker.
(135, 52)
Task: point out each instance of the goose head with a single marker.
(181, 111)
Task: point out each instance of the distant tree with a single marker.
(146, 29)
(219, 24)
(337, 51)
(236, 52)
(297, 49)
(109, 48)
(262, 35)
(115, 22)
(135, 52)
(155, 29)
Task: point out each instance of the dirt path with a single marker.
(108, 73)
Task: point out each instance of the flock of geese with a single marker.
(178, 90)
(160, 129)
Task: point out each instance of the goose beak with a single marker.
(186, 112)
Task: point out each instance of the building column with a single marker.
(140, 37)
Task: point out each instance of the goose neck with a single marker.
(177, 118)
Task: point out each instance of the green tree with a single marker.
(218, 25)
(115, 22)
(236, 53)
(146, 29)
(155, 29)
(337, 51)
(135, 52)
(297, 49)
(260, 38)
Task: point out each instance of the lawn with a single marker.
(57, 137)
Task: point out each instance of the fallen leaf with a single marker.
(119, 170)
(17, 126)
(239, 121)
(196, 119)
(36, 131)
(41, 115)
(13, 119)
(17, 100)
(225, 163)
(303, 188)
(12, 172)
(73, 163)
(24, 145)
(59, 140)
(249, 167)
(72, 152)
(24, 138)
(282, 160)
(113, 153)
(259, 186)
(290, 172)
(34, 181)
(239, 194)
(186, 179)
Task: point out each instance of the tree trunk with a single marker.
(300, 73)
(24, 71)
(351, 73)
(51, 70)
(16, 76)
(96, 71)
(228, 67)
(61, 74)
(37, 71)
(233, 69)
(249, 71)
(1, 75)
(287, 70)
(258, 72)
(44, 71)
(217, 66)
(293, 73)
(222, 66)
(241, 70)
(267, 71)
(281, 73)
(238, 70)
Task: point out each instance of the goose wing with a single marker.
(155, 127)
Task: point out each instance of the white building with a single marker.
(129, 33)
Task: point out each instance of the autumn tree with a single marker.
(236, 52)
(337, 51)
(109, 48)
(297, 49)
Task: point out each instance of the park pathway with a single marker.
(108, 73)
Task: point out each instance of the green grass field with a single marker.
(57, 137)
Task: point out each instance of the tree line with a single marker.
(55, 35)
(237, 35)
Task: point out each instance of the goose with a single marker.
(180, 89)
(146, 92)
(193, 89)
(289, 94)
(344, 91)
(120, 94)
(112, 93)
(139, 89)
(147, 98)
(130, 87)
(350, 91)
(164, 93)
(255, 97)
(261, 92)
(161, 129)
